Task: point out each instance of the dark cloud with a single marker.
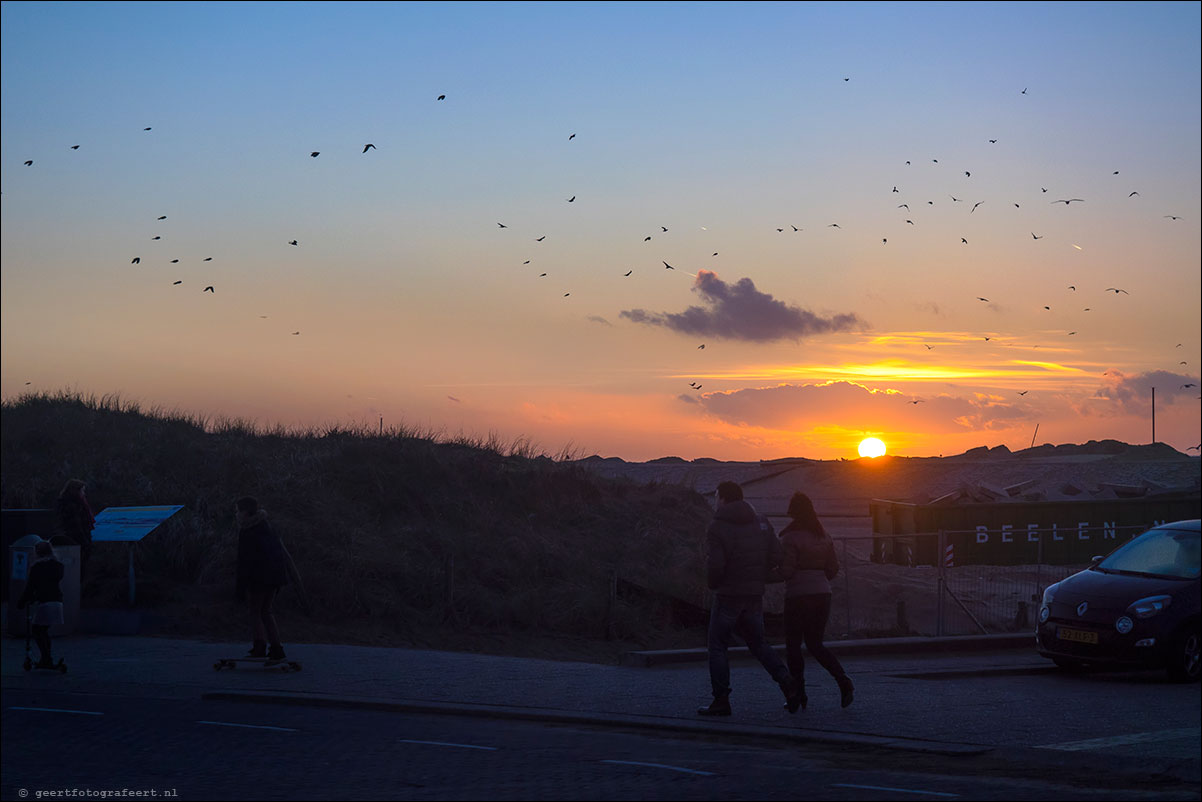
(1134, 393)
(847, 404)
(741, 312)
(599, 319)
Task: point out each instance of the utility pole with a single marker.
(1153, 416)
(1034, 435)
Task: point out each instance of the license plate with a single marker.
(1078, 635)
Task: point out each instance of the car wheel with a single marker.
(1069, 664)
(1185, 662)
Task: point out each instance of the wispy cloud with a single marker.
(848, 404)
(741, 312)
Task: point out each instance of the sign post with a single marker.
(130, 525)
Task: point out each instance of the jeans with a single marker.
(805, 622)
(742, 616)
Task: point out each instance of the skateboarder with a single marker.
(262, 570)
(43, 589)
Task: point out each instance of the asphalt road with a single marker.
(86, 742)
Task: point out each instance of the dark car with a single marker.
(1137, 607)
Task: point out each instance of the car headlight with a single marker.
(1146, 608)
(1124, 625)
(1044, 613)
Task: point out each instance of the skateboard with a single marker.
(266, 662)
(60, 666)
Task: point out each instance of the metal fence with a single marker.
(912, 594)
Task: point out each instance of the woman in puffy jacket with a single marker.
(808, 565)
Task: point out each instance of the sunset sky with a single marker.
(721, 122)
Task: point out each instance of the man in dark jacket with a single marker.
(742, 551)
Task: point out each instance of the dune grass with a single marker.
(401, 536)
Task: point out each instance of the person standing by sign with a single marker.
(76, 520)
(43, 589)
(808, 565)
(742, 551)
(263, 568)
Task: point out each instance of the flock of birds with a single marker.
(909, 219)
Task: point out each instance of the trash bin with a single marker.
(21, 558)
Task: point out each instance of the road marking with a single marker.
(57, 710)
(1122, 740)
(898, 790)
(247, 726)
(659, 766)
(445, 743)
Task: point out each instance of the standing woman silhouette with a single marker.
(808, 565)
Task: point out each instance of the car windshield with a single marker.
(1164, 552)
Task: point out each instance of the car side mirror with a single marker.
(1097, 558)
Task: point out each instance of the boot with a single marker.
(846, 690)
(258, 649)
(804, 699)
(795, 695)
(276, 652)
(719, 707)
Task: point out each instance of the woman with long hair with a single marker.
(808, 565)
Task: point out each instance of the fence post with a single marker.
(847, 587)
(449, 587)
(941, 573)
(610, 604)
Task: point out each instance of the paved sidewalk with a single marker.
(893, 709)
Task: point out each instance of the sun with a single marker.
(872, 447)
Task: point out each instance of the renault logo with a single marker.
(1081, 608)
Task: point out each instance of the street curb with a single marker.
(615, 720)
(873, 646)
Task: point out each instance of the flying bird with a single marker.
(75, 147)
(175, 261)
(540, 239)
(502, 225)
(152, 239)
(1070, 200)
(929, 347)
(1035, 237)
(665, 229)
(715, 253)
(209, 289)
(1133, 194)
(911, 222)
(136, 260)
(369, 146)
(905, 206)
(526, 262)
(540, 275)
(1116, 291)
(571, 199)
(974, 206)
(293, 242)
(884, 241)
(918, 401)
(1072, 287)
(1043, 189)
(1024, 91)
(979, 298)
(668, 266)
(964, 240)
(1024, 392)
(699, 387)
(895, 189)
(566, 294)
(795, 228)
(573, 136)
(1172, 217)
(1187, 386)
(954, 198)
(1071, 333)
(646, 239)
(833, 225)
(315, 154)
(628, 272)
(967, 174)
(29, 163)
(442, 97)
(1116, 172)
(163, 217)
(780, 230)
(701, 347)
(176, 282)
(295, 333)
(207, 259)
(993, 141)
